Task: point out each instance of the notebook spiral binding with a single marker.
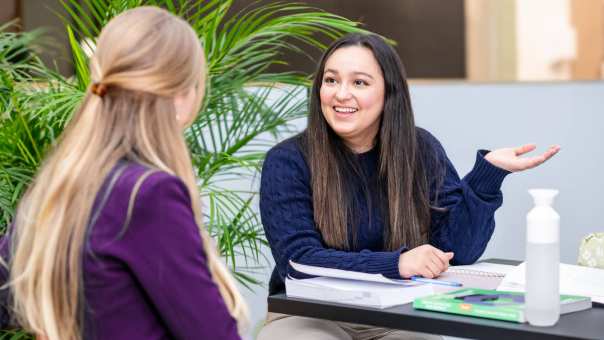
(474, 272)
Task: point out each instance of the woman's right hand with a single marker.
(425, 260)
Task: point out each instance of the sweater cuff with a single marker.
(387, 264)
(485, 177)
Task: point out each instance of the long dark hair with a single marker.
(402, 181)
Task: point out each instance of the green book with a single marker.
(491, 304)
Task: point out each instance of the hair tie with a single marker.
(99, 89)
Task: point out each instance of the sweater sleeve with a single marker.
(162, 247)
(288, 220)
(465, 218)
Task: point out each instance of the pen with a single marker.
(436, 282)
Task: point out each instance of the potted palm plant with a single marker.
(245, 109)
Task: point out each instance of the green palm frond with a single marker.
(245, 109)
(79, 60)
(24, 133)
(15, 334)
(248, 43)
(226, 137)
(18, 53)
(21, 142)
(232, 222)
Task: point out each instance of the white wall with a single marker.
(546, 42)
(466, 117)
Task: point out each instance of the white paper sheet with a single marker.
(346, 274)
(574, 280)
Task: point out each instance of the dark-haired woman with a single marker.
(364, 189)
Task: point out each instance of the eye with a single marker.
(360, 83)
(329, 80)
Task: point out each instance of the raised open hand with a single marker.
(510, 160)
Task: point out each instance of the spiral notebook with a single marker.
(483, 275)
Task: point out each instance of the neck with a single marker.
(360, 146)
(364, 141)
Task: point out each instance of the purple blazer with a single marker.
(149, 280)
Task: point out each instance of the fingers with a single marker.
(531, 162)
(437, 265)
(441, 259)
(521, 150)
(430, 270)
(551, 151)
(438, 261)
(424, 260)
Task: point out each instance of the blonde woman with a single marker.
(106, 242)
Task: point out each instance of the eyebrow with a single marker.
(357, 72)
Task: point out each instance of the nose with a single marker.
(343, 94)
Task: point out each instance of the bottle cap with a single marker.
(543, 196)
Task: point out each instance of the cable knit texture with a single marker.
(464, 226)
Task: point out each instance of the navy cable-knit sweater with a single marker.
(465, 226)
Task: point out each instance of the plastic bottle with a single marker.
(543, 260)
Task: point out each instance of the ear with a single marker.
(183, 105)
(179, 105)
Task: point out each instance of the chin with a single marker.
(343, 132)
(342, 127)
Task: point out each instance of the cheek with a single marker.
(372, 102)
(325, 94)
(192, 100)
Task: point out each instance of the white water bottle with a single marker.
(542, 260)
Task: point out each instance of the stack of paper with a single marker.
(348, 287)
(574, 280)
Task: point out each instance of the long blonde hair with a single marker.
(144, 58)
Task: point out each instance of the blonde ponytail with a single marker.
(144, 58)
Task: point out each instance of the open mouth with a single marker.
(343, 109)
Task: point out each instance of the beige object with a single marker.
(591, 251)
(282, 326)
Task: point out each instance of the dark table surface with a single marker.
(588, 324)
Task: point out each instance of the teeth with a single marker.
(345, 109)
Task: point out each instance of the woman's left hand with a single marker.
(509, 158)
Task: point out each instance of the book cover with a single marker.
(353, 292)
(491, 304)
(354, 288)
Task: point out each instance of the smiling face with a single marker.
(352, 96)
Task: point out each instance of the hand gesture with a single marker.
(508, 158)
(425, 261)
